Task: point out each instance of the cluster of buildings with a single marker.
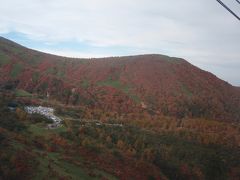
(47, 112)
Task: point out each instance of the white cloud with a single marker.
(201, 31)
(76, 54)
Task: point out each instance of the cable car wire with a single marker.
(229, 10)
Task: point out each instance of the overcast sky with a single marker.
(201, 31)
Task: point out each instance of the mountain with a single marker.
(136, 117)
(155, 84)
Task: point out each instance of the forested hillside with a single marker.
(138, 117)
(157, 84)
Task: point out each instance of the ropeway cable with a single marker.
(229, 10)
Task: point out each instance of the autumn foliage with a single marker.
(137, 117)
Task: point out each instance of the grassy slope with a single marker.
(22, 93)
(118, 85)
(4, 59)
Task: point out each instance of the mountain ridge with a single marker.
(2, 39)
(154, 83)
